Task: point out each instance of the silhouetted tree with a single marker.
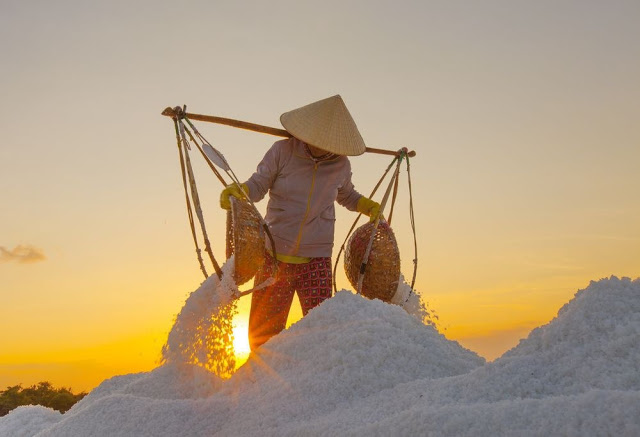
(43, 393)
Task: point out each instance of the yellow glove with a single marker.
(369, 207)
(232, 190)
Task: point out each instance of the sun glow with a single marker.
(241, 341)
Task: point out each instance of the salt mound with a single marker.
(344, 350)
(128, 415)
(577, 375)
(360, 367)
(593, 414)
(27, 420)
(161, 402)
(593, 343)
(353, 347)
(173, 381)
(107, 387)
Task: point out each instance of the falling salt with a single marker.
(203, 331)
(411, 301)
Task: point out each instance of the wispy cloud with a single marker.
(22, 254)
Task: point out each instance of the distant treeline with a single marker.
(43, 393)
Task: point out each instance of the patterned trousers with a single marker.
(270, 305)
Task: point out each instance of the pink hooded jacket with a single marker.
(302, 192)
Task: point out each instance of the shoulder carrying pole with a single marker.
(177, 112)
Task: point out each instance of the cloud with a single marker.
(21, 254)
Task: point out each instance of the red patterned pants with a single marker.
(270, 305)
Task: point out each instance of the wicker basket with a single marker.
(383, 269)
(245, 238)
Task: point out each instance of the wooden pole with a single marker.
(177, 112)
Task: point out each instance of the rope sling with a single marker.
(185, 167)
(394, 182)
(185, 138)
(187, 134)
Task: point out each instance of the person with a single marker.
(304, 176)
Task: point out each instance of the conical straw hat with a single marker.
(325, 124)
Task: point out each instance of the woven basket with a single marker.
(383, 269)
(245, 238)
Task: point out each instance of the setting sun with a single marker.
(241, 341)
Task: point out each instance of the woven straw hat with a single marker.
(327, 125)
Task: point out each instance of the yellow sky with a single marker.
(524, 117)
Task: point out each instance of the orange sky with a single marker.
(524, 117)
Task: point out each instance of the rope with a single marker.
(196, 202)
(189, 210)
(413, 228)
(204, 155)
(395, 183)
(393, 200)
(355, 222)
(235, 179)
(365, 259)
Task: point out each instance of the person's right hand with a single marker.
(232, 190)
